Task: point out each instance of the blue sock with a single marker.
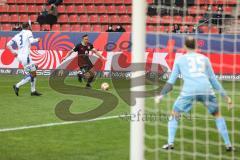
(172, 128)
(222, 129)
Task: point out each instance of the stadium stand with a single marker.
(94, 15)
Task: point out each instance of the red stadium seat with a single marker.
(21, 1)
(150, 1)
(197, 19)
(4, 8)
(88, 1)
(227, 9)
(200, 1)
(125, 19)
(232, 2)
(114, 19)
(83, 19)
(177, 19)
(78, 1)
(205, 29)
(103, 19)
(108, 1)
(65, 28)
(210, 1)
(155, 20)
(220, 2)
(122, 9)
(40, 1)
(90, 9)
(80, 9)
(36, 27)
(70, 9)
(97, 28)
(73, 18)
(76, 28)
(214, 30)
(128, 28)
(166, 20)
(150, 28)
(160, 29)
(111, 9)
(215, 8)
(33, 17)
(11, 2)
(86, 28)
(32, 9)
(4, 18)
(23, 18)
(14, 18)
(22, 9)
(6, 27)
(129, 9)
(119, 1)
(30, 2)
(101, 9)
(127, 1)
(39, 8)
(68, 1)
(93, 19)
(98, 1)
(45, 27)
(12, 9)
(61, 9)
(63, 18)
(56, 27)
(188, 19)
(104, 28)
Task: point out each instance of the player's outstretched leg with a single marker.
(90, 78)
(172, 129)
(33, 85)
(222, 129)
(21, 83)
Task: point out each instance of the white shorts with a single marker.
(27, 63)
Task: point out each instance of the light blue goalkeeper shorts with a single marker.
(184, 103)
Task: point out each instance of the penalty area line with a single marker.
(57, 124)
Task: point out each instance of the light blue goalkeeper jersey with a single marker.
(197, 74)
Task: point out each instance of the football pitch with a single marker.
(29, 128)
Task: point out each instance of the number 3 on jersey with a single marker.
(196, 64)
(21, 40)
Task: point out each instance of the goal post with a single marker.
(138, 53)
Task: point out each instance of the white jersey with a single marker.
(23, 39)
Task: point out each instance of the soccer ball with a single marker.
(104, 86)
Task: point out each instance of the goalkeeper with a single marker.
(199, 82)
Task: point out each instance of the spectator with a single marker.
(110, 29)
(120, 29)
(186, 29)
(52, 15)
(176, 29)
(42, 18)
(56, 2)
(17, 27)
(196, 29)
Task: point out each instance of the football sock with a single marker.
(222, 128)
(90, 80)
(172, 128)
(33, 85)
(23, 81)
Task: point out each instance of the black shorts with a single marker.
(84, 62)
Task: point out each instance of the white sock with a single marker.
(33, 85)
(23, 81)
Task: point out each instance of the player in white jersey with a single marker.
(199, 82)
(23, 40)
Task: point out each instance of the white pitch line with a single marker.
(56, 124)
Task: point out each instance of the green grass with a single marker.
(97, 140)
